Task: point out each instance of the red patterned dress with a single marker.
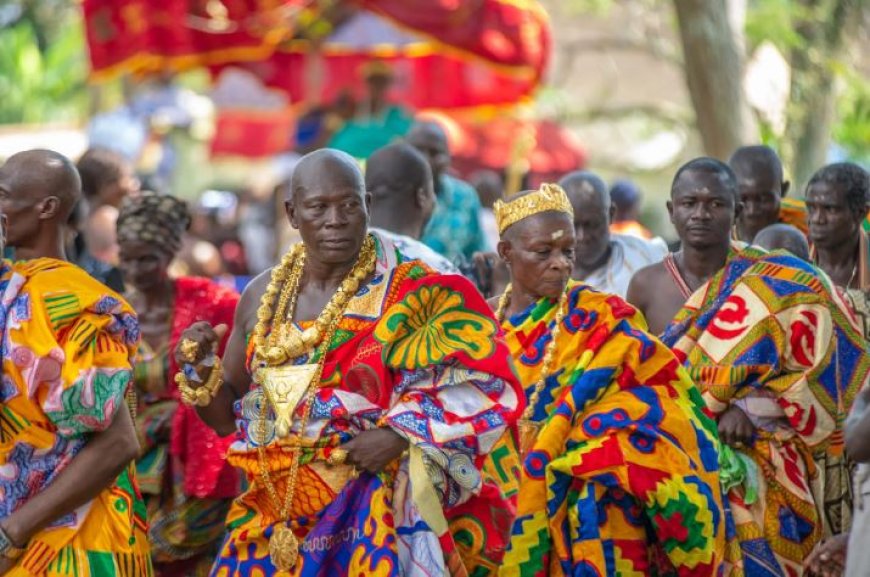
(187, 484)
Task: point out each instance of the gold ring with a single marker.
(189, 349)
(337, 457)
(738, 445)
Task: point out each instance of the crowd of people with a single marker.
(400, 394)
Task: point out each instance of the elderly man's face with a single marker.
(332, 219)
(591, 225)
(433, 145)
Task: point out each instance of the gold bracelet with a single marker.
(203, 395)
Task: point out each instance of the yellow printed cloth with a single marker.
(622, 478)
(67, 348)
(771, 335)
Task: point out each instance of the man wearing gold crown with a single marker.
(364, 390)
(619, 473)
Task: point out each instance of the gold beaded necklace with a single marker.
(283, 545)
(528, 428)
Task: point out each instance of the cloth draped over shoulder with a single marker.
(770, 334)
(622, 479)
(417, 352)
(67, 347)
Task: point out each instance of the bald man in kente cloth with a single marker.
(776, 354)
(367, 390)
(69, 504)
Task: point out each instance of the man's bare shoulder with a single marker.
(257, 286)
(246, 311)
(650, 273)
(643, 284)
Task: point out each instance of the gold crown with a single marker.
(550, 197)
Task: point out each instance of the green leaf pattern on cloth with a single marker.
(89, 405)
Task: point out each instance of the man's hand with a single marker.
(735, 428)
(207, 337)
(828, 559)
(373, 450)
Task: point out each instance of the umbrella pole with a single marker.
(519, 162)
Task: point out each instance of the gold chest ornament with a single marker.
(284, 384)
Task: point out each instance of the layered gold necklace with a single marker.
(284, 384)
(529, 428)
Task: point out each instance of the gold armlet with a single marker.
(202, 395)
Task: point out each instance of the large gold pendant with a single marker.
(528, 434)
(284, 387)
(283, 548)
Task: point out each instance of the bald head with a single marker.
(430, 140)
(427, 129)
(38, 192)
(400, 182)
(325, 169)
(41, 174)
(582, 187)
(785, 237)
(756, 162)
(396, 167)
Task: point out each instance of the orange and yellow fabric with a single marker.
(622, 478)
(67, 348)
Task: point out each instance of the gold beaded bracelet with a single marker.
(201, 396)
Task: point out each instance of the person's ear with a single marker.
(611, 213)
(670, 206)
(290, 209)
(421, 197)
(505, 251)
(786, 185)
(49, 208)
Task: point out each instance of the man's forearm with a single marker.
(219, 413)
(95, 467)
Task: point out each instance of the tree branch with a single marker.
(603, 44)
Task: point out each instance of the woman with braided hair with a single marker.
(186, 483)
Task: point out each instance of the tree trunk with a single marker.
(714, 75)
(811, 108)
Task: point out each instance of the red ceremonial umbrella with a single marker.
(446, 53)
